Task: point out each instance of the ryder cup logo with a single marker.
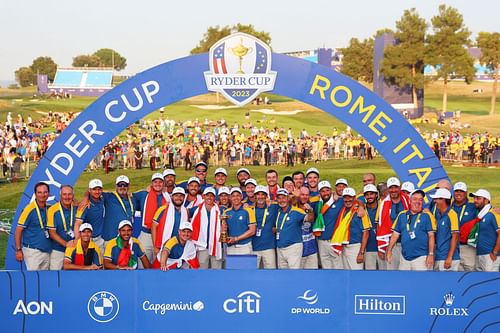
(103, 306)
(240, 68)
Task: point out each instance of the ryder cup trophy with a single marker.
(240, 51)
(223, 233)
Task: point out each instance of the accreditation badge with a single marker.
(46, 232)
(259, 232)
(278, 236)
(412, 234)
(70, 234)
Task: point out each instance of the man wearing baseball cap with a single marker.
(370, 194)
(124, 251)
(85, 254)
(242, 175)
(350, 236)
(288, 228)
(327, 213)
(200, 172)
(193, 197)
(466, 213)
(312, 177)
(250, 185)
(340, 185)
(92, 212)
(169, 181)
(206, 223)
(146, 203)
(220, 175)
(240, 224)
(390, 207)
(223, 198)
(486, 233)
(447, 234)
(179, 252)
(264, 242)
(168, 218)
(416, 228)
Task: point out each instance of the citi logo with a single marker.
(33, 308)
(380, 304)
(245, 302)
(449, 299)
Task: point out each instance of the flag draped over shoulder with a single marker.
(469, 231)
(80, 255)
(150, 207)
(201, 230)
(126, 258)
(319, 223)
(384, 227)
(165, 228)
(341, 234)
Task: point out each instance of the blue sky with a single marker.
(150, 32)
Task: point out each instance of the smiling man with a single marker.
(124, 251)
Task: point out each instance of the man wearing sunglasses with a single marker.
(200, 172)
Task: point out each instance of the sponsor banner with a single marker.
(248, 301)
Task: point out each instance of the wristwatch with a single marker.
(431, 253)
(19, 249)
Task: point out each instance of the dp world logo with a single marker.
(240, 68)
(103, 306)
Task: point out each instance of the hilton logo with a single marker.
(380, 304)
(449, 299)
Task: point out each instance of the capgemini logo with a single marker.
(448, 299)
(309, 297)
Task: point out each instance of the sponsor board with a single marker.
(245, 302)
(380, 304)
(163, 308)
(103, 306)
(310, 298)
(449, 309)
(33, 308)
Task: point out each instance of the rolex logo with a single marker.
(448, 299)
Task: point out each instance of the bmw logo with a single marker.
(103, 306)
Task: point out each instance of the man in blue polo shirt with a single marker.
(312, 177)
(200, 172)
(242, 175)
(466, 212)
(60, 222)
(124, 251)
(487, 234)
(85, 254)
(193, 197)
(223, 199)
(447, 251)
(250, 185)
(310, 246)
(370, 194)
(179, 252)
(326, 219)
(288, 228)
(264, 242)
(240, 225)
(32, 238)
(417, 230)
(92, 213)
(146, 203)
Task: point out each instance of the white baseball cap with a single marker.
(324, 183)
(124, 223)
(95, 183)
(209, 190)
(481, 193)
(242, 170)
(220, 170)
(178, 190)
(193, 179)
(122, 179)
(341, 181)
(282, 191)
(312, 170)
(370, 188)
(441, 193)
(261, 188)
(235, 189)
(169, 172)
(408, 186)
(418, 191)
(185, 225)
(349, 191)
(393, 181)
(224, 189)
(84, 226)
(157, 176)
(460, 186)
(251, 181)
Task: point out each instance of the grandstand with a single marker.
(82, 81)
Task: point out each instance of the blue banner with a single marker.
(249, 301)
(365, 112)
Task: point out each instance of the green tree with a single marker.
(489, 43)
(111, 58)
(403, 63)
(44, 65)
(25, 76)
(447, 48)
(358, 60)
(213, 34)
(86, 60)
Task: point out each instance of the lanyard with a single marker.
(123, 205)
(264, 219)
(282, 221)
(40, 215)
(64, 218)
(462, 212)
(417, 221)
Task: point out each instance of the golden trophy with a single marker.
(223, 234)
(240, 51)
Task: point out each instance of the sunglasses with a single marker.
(122, 185)
(201, 171)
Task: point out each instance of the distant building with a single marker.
(78, 81)
(328, 57)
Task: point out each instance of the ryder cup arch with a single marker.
(365, 112)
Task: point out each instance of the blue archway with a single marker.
(396, 140)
